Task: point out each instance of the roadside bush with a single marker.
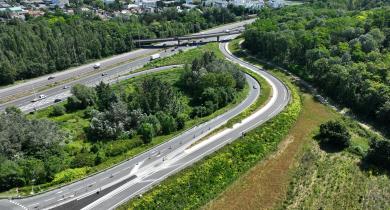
(120, 146)
(181, 121)
(58, 110)
(69, 175)
(379, 153)
(11, 175)
(334, 134)
(73, 103)
(83, 159)
(147, 132)
(82, 97)
(168, 123)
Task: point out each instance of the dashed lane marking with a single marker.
(18, 204)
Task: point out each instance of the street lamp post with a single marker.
(32, 187)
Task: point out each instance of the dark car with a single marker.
(57, 100)
(50, 78)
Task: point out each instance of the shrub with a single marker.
(146, 131)
(334, 134)
(379, 153)
(120, 146)
(83, 159)
(58, 110)
(69, 175)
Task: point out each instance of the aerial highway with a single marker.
(110, 188)
(79, 194)
(57, 85)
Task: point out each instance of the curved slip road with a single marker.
(178, 159)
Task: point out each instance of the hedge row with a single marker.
(197, 185)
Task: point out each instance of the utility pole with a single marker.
(139, 38)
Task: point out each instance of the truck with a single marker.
(96, 65)
(155, 56)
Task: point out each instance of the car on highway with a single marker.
(96, 66)
(50, 78)
(155, 56)
(104, 74)
(57, 100)
(254, 87)
(66, 87)
(227, 31)
(42, 96)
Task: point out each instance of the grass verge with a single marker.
(198, 184)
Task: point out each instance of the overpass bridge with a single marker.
(190, 37)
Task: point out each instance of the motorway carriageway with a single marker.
(21, 95)
(142, 172)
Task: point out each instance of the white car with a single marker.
(96, 66)
(42, 96)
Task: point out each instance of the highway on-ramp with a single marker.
(149, 175)
(108, 189)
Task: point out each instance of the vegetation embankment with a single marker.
(344, 52)
(330, 177)
(264, 185)
(58, 41)
(342, 165)
(197, 185)
(98, 127)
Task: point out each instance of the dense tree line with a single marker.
(345, 53)
(57, 41)
(30, 150)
